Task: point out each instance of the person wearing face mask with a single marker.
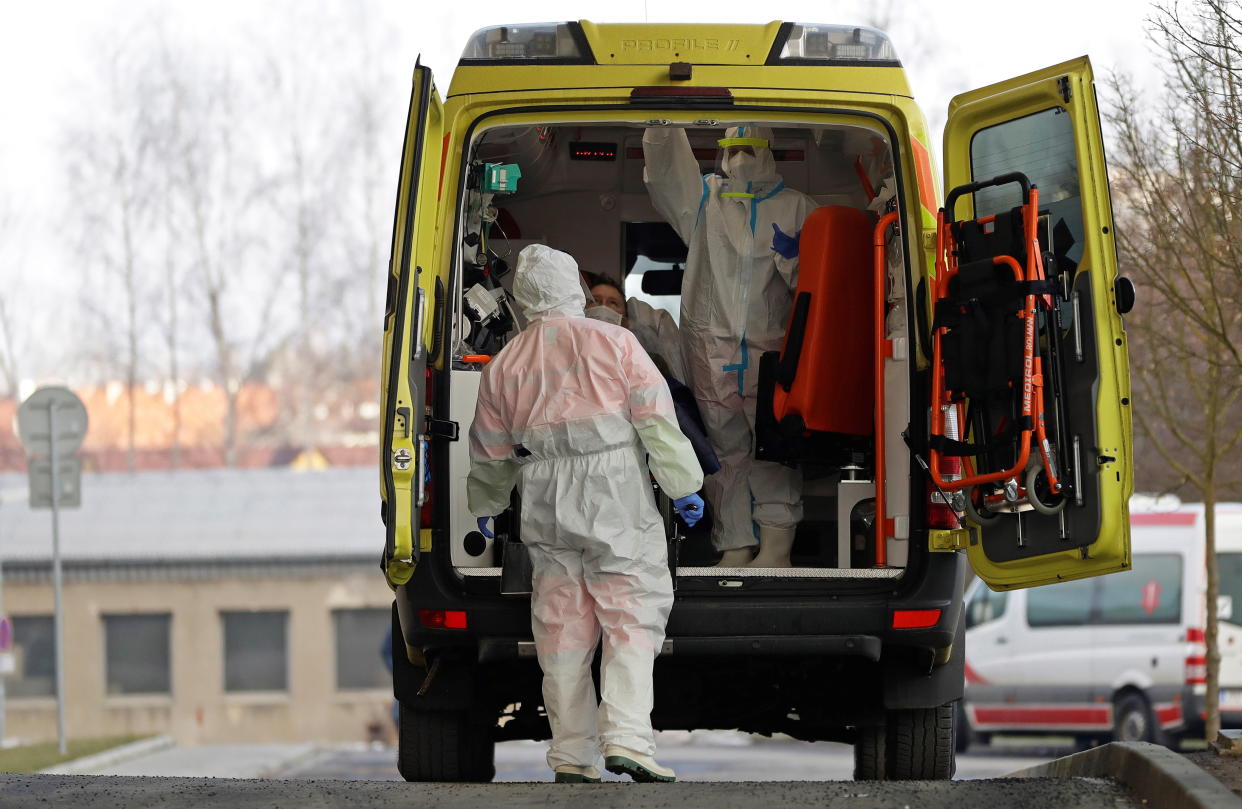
(654, 328)
(741, 230)
(657, 333)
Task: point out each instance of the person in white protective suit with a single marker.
(570, 410)
(742, 234)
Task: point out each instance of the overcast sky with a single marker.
(46, 46)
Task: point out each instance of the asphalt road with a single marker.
(702, 756)
(98, 792)
(768, 773)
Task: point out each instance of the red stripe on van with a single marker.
(1168, 715)
(922, 167)
(1164, 518)
(973, 676)
(1045, 716)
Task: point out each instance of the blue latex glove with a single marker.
(689, 508)
(484, 530)
(784, 244)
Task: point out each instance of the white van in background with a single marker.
(1118, 657)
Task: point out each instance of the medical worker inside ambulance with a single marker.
(733, 252)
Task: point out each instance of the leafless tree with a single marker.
(110, 171)
(219, 191)
(1178, 183)
(10, 375)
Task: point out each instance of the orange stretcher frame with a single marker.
(1032, 371)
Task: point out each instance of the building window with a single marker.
(255, 651)
(359, 636)
(137, 654)
(34, 649)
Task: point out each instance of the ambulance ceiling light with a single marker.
(817, 44)
(535, 43)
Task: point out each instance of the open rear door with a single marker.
(411, 276)
(1046, 126)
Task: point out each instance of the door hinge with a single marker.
(1063, 85)
(944, 540)
(442, 428)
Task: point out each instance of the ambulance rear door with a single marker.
(411, 277)
(1046, 126)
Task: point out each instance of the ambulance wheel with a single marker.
(1134, 721)
(869, 754)
(979, 515)
(921, 744)
(444, 746)
(1038, 494)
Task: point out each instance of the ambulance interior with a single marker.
(579, 188)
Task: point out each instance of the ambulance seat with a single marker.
(822, 382)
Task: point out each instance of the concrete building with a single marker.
(212, 605)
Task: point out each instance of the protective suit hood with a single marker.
(743, 168)
(546, 282)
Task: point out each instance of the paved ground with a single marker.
(698, 756)
(93, 792)
(714, 756)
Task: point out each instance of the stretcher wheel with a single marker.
(978, 514)
(1038, 494)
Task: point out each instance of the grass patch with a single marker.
(35, 757)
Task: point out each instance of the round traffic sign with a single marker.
(47, 407)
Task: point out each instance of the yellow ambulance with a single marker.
(539, 140)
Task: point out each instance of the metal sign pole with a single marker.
(56, 583)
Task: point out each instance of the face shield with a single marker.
(745, 155)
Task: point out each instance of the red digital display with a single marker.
(600, 152)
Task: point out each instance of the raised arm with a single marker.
(672, 176)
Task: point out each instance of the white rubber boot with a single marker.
(774, 547)
(736, 557)
(624, 761)
(572, 774)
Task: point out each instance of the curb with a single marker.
(112, 756)
(1153, 773)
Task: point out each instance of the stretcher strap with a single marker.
(1003, 438)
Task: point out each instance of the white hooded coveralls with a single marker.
(736, 299)
(568, 410)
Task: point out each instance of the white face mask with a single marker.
(603, 313)
(741, 167)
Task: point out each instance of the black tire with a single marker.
(963, 737)
(1133, 720)
(869, 754)
(920, 744)
(444, 746)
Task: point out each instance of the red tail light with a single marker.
(682, 91)
(1196, 635)
(442, 619)
(1196, 670)
(915, 619)
(939, 513)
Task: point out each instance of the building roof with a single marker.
(207, 514)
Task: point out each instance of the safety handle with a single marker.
(1002, 179)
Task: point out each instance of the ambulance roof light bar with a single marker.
(542, 43)
(839, 45)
